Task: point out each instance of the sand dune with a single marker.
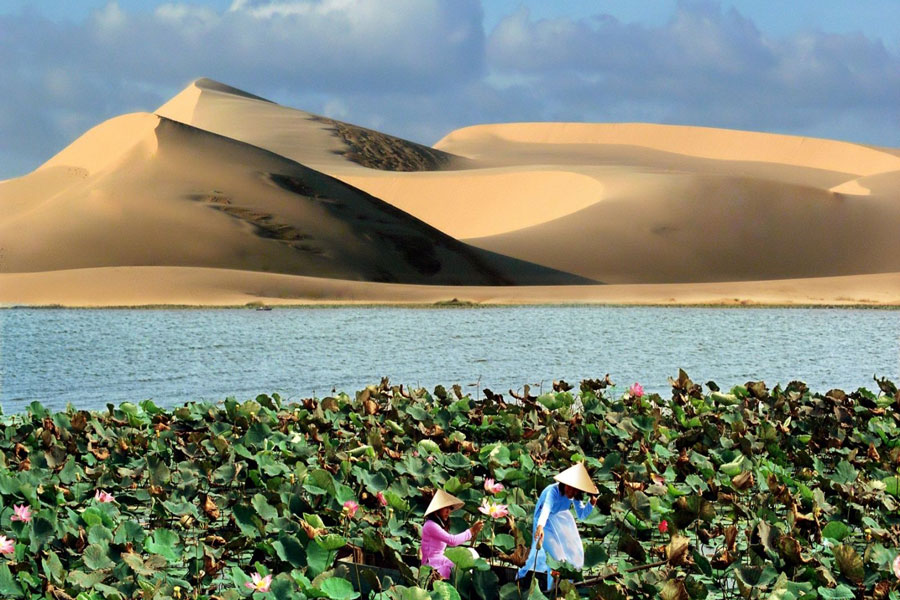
(149, 191)
(240, 192)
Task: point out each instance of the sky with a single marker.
(419, 69)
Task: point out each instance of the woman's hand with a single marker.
(476, 528)
(539, 535)
(594, 500)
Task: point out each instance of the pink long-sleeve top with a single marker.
(434, 540)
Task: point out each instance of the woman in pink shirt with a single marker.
(435, 532)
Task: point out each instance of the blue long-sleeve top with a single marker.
(552, 501)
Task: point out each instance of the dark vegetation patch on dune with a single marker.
(377, 150)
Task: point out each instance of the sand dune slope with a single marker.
(701, 228)
(683, 204)
(144, 190)
(316, 141)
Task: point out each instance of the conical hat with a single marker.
(442, 499)
(577, 477)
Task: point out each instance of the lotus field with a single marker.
(750, 493)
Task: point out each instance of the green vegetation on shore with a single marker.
(750, 493)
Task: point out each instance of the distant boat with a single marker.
(263, 308)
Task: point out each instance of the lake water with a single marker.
(92, 357)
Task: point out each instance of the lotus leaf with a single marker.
(841, 592)
(165, 543)
(848, 562)
(317, 558)
(331, 541)
(835, 530)
(844, 473)
(9, 587)
(444, 591)
(461, 557)
(96, 557)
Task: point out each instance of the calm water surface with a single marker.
(92, 357)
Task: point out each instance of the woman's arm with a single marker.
(435, 531)
(583, 509)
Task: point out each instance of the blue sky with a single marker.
(421, 68)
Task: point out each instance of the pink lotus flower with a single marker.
(259, 583)
(492, 509)
(491, 487)
(22, 513)
(897, 566)
(430, 459)
(102, 496)
(663, 526)
(657, 479)
(381, 499)
(637, 390)
(7, 545)
(350, 507)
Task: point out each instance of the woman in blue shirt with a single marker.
(554, 529)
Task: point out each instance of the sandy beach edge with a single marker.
(167, 287)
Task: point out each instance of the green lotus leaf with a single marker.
(314, 520)
(486, 583)
(892, 485)
(96, 557)
(338, 589)
(429, 447)
(270, 466)
(343, 493)
(835, 530)
(496, 454)
(331, 541)
(247, 521)
(734, 467)
(165, 543)
(504, 542)
(266, 511)
(455, 486)
(444, 591)
(318, 559)
(844, 473)
(841, 592)
(461, 557)
(136, 563)
(395, 501)
(594, 555)
(99, 534)
(180, 508)
(92, 516)
(129, 531)
(52, 568)
(289, 549)
(9, 587)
